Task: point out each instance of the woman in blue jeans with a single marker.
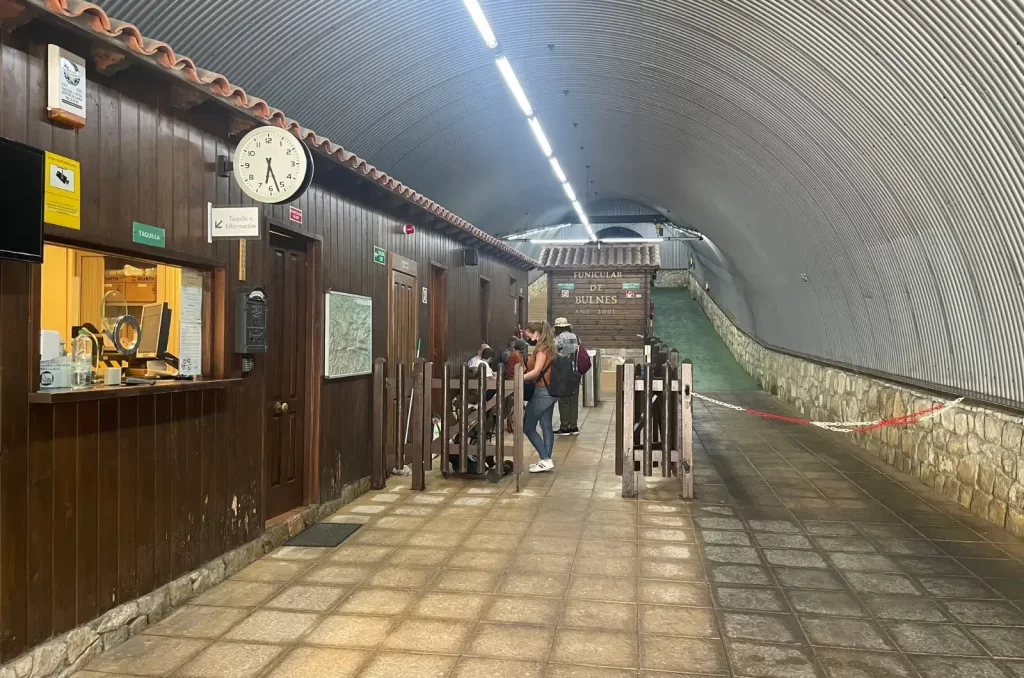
(542, 405)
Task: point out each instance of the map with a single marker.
(348, 335)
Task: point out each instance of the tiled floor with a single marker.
(797, 559)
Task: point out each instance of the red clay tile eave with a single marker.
(127, 36)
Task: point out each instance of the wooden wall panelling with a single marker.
(106, 507)
(145, 527)
(39, 516)
(127, 497)
(65, 516)
(87, 451)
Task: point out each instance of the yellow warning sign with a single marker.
(62, 202)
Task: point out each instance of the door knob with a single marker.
(280, 408)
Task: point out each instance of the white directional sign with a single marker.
(235, 222)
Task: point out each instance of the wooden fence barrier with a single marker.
(402, 437)
(654, 420)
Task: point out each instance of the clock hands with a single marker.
(272, 176)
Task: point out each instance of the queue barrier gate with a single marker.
(654, 420)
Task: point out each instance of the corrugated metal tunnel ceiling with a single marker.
(874, 146)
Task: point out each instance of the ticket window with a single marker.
(82, 286)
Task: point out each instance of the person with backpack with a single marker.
(567, 344)
(540, 408)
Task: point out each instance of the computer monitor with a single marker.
(155, 325)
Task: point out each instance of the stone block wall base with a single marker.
(972, 455)
(672, 277)
(69, 653)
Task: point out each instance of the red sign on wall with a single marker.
(295, 214)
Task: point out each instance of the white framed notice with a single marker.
(235, 223)
(65, 86)
(348, 335)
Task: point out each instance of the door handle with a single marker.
(281, 408)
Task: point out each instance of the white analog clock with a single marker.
(271, 165)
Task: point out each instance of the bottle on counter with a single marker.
(83, 350)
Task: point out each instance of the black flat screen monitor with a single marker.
(21, 201)
(155, 326)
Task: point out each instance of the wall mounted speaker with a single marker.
(471, 257)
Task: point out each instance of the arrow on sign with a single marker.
(218, 224)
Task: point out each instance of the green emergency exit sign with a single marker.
(379, 255)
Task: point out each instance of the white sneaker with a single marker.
(542, 466)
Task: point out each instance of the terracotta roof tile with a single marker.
(92, 17)
(606, 256)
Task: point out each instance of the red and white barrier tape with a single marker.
(844, 426)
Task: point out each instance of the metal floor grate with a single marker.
(326, 535)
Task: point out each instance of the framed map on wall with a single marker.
(348, 335)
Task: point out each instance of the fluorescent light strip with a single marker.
(567, 241)
(571, 194)
(476, 12)
(513, 84)
(542, 140)
(623, 241)
(558, 170)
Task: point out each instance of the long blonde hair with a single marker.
(547, 338)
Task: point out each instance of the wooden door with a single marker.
(438, 318)
(403, 316)
(287, 369)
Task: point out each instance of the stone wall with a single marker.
(973, 455)
(672, 277)
(69, 653)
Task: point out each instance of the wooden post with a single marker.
(619, 409)
(481, 419)
(686, 429)
(666, 399)
(419, 479)
(446, 411)
(628, 394)
(648, 461)
(463, 418)
(499, 432)
(378, 462)
(400, 416)
(517, 424)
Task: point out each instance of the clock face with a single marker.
(271, 165)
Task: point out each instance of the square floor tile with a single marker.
(906, 608)
(429, 635)
(302, 597)
(402, 577)
(666, 534)
(825, 528)
(719, 523)
(770, 628)
(358, 554)
(196, 621)
(724, 537)
(794, 558)
(603, 648)
(232, 593)
(682, 570)
(378, 602)
(541, 563)
(771, 661)
(298, 553)
(351, 631)
(599, 615)
(272, 570)
(561, 545)
(373, 537)
(857, 634)
(984, 613)
(845, 544)
(832, 603)
(737, 555)
(741, 574)
(877, 582)
(691, 594)
(1001, 642)
(521, 610)
(521, 584)
(337, 574)
(859, 664)
(693, 622)
(408, 665)
(440, 540)
(469, 581)
(418, 557)
(956, 587)
(490, 542)
(668, 551)
(931, 566)
(318, 662)
(478, 667)
(907, 547)
(230, 660)
(273, 626)
(774, 526)
(748, 598)
(591, 587)
(480, 560)
(863, 562)
(608, 549)
(448, 605)
(507, 641)
(674, 653)
(932, 638)
(148, 655)
(951, 667)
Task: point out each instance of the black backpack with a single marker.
(563, 379)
